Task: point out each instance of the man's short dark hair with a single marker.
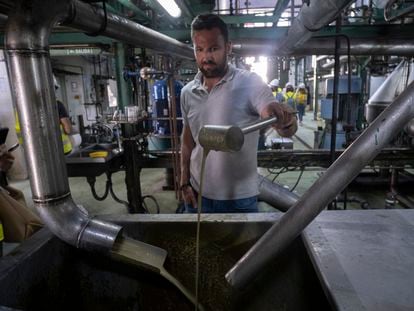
(209, 21)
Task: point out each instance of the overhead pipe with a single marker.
(90, 19)
(359, 46)
(326, 46)
(361, 152)
(131, 6)
(312, 17)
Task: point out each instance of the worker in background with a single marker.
(277, 90)
(290, 95)
(221, 94)
(301, 98)
(64, 121)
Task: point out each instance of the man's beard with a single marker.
(217, 72)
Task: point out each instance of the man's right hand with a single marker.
(189, 196)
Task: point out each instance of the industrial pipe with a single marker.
(275, 195)
(386, 93)
(89, 19)
(312, 16)
(325, 189)
(326, 46)
(26, 42)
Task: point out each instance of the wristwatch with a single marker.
(183, 186)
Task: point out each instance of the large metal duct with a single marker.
(326, 46)
(27, 53)
(324, 190)
(386, 93)
(311, 17)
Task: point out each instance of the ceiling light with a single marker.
(171, 7)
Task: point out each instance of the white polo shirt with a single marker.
(237, 100)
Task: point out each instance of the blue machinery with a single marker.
(160, 110)
(349, 113)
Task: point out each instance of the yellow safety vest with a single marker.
(290, 99)
(67, 145)
(279, 90)
(301, 98)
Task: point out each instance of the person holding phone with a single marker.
(6, 159)
(18, 222)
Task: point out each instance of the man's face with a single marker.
(211, 52)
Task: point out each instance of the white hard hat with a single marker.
(55, 82)
(274, 82)
(289, 84)
(302, 86)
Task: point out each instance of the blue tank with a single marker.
(159, 95)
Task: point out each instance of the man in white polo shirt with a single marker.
(221, 94)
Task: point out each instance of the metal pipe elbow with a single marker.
(276, 195)
(64, 218)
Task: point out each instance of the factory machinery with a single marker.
(281, 260)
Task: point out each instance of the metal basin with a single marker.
(46, 274)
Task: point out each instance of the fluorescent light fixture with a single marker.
(171, 7)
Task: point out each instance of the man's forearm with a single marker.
(185, 165)
(187, 145)
(67, 126)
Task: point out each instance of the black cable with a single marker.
(111, 190)
(299, 178)
(154, 200)
(91, 182)
(102, 28)
(145, 207)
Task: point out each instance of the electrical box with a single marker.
(343, 85)
(282, 143)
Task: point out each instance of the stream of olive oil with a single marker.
(199, 208)
(152, 258)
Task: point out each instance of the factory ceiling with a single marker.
(252, 21)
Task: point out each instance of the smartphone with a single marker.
(14, 147)
(3, 134)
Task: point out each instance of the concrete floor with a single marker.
(153, 180)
